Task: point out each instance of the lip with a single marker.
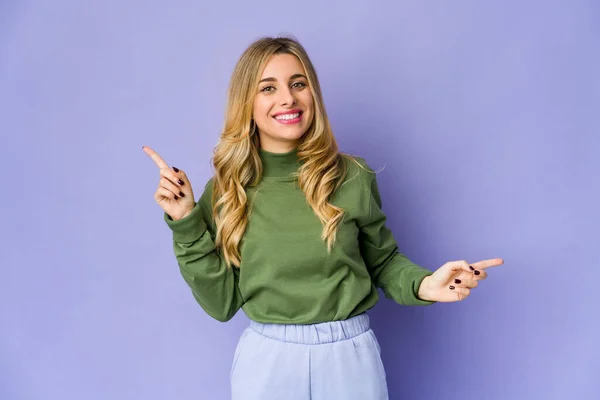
(289, 121)
(294, 111)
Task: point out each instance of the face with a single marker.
(283, 105)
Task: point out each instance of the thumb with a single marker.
(456, 266)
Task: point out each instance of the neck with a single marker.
(279, 164)
(278, 147)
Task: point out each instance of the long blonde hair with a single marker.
(236, 157)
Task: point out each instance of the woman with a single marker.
(292, 231)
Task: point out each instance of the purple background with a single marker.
(485, 115)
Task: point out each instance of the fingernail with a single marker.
(451, 287)
(472, 269)
(477, 272)
(180, 182)
(181, 194)
(175, 169)
(176, 197)
(457, 281)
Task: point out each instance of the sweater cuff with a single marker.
(188, 229)
(415, 288)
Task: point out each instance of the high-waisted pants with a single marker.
(324, 361)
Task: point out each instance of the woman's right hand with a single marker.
(174, 194)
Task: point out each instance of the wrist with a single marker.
(424, 292)
(186, 213)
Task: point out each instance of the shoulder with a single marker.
(357, 169)
(206, 196)
(355, 191)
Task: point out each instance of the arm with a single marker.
(390, 270)
(213, 283)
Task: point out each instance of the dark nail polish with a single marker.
(472, 269)
(180, 182)
(451, 287)
(176, 198)
(477, 272)
(175, 169)
(181, 194)
(457, 281)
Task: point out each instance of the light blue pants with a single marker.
(325, 361)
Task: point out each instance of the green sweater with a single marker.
(286, 275)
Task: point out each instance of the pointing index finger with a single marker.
(155, 157)
(493, 262)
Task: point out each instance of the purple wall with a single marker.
(485, 115)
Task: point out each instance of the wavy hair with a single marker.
(236, 157)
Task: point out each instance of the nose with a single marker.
(287, 98)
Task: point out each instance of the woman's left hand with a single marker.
(454, 280)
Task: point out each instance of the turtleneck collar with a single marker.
(279, 165)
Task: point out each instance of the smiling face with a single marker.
(283, 105)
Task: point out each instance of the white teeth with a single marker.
(287, 116)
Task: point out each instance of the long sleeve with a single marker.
(390, 270)
(213, 284)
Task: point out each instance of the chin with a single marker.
(289, 134)
(293, 137)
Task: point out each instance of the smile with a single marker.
(291, 118)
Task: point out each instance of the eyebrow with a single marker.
(275, 80)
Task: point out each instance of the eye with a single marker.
(269, 88)
(298, 85)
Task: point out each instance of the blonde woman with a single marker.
(292, 231)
